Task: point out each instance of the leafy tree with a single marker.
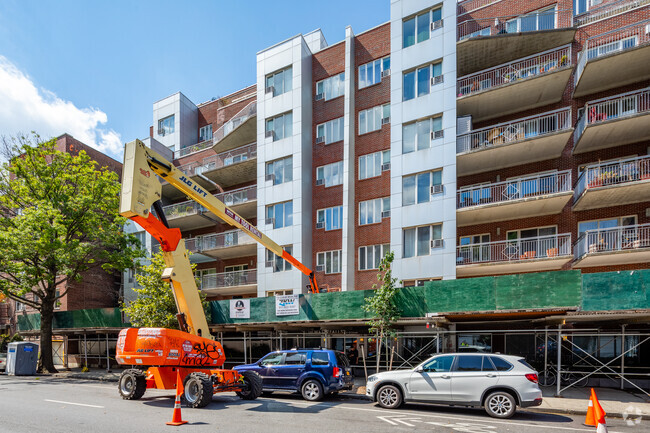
(58, 219)
(382, 304)
(5, 339)
(155, 306)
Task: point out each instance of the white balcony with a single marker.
(613, 184)
(195, 148)
(544, 253)
(230, 283)
(242, 200)
(613, 121)
(613, 246)
(525, 197)
(241, 129)
(608, 10)
(520, 85)
(522, 141)
(227, 245)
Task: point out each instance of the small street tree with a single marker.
(382, 304)
(58, 219)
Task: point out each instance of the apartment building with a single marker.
(472, 138)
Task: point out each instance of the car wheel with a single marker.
(389, 396)
(132, 384)
(500, 404)
(252, 385)
(312, 390)
(198, 390)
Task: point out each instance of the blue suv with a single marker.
(312, 372)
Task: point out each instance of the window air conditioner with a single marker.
(385, 73)
(320, 182)
(268, 263)
(385, 167)
(269, 134)
(436, 25)
(269, 221)
(269, 89)
(385, 120)
(319, 96)
(320, 268)
(436, 243)
(320, 225)
(161, 132)
(437, 134)
(438, 79)
(436, 189)
(270, 177)
(385, 214)
(320, 139)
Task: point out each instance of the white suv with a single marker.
(499, 383)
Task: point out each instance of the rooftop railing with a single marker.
(243, 115)
(528, 67)
(512, 132)
(193, 149)
(238, 196)
(515, 250)
(614, 41)
(220, 160)
(612, 173)
(613, 107)
(608, 10)
(467, 6)
(229, 279)
(536, 21)
(514, 189)
(612, 239)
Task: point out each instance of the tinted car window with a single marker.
(439, 364)
(342, 360)
(523, 361)
(487, 364)
(500, 364)
(469, 363)
(320, 358)
(273, 359)
(295, 358)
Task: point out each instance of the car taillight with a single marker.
(532, 377)
(336, 372)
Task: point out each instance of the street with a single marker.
(30, 404)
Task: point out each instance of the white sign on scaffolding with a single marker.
(240, 308)
(287, 305)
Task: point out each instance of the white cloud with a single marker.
(25, 108)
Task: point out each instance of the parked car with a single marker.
(3, 361)
(312, 372)
(498, 383)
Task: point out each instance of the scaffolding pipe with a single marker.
(559, 360)
(108, 359)
(622, 357)
(85, 352)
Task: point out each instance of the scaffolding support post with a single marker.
(108, 358)
(85, 352)
(65, 353)
(559, 361)
(622, 357)
(245, 350)
(546, 348)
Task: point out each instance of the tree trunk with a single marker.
(378, 352)
(46, 362)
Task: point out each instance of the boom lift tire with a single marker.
(132, 384)
(253, 385)
(198, 390)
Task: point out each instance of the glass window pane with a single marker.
(362, 122)
(362, 167)
(288, 169)
(424, 193)
(386, 64)
(362, 76)
(278, 172)
(328, 263)
(436, 231)
(423, 240)
(408, 191)
(409, 243)
(436, 177)
(423, 27)
(377, 257)
(408, 31)
(377, 75)
(423, 81)
(377, 112)
(409, 85)
(362, 213)
(335, 264)
(437, 69)
(423, 134)
(279, 214)
(362, 258)
(436, 15)
(436, 123)
(288, 213)
(408, 138)
(288, 79)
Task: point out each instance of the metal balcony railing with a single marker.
(182, 209)
(223, 240)
(612, 239)
(193, 149)
(518, 130)
(243, 115)
(540, 20)
(238, 196)
(612, 173)
(613, 107)
(608, 10)
(515, 250)
(514, 189)
(229, 279)
(528, 67)
(220, 160)
(468, 6)
(614, 41)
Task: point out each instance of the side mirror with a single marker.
(419, 369)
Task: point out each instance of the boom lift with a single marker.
(191, 350)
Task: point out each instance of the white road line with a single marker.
(76, 404)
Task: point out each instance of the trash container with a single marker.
(22, 358)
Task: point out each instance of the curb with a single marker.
(85, 376)
(621, 415)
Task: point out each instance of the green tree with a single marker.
(382, 304)
(154, 306)
(58, 219)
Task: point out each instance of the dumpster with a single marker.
(22, 358)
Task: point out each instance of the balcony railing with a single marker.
(220, 160)
(608, 10)
(613, 107)
(223, 240)
(243, 115)
(536, 21)
(182, 209)
(532, 66)
(193, 149)
(238, 196)
(612, 173)
(511, 132)
(516, 250)
(229, 279)
(515, 189)
(467, 6)
(612, 239)
(614, 41)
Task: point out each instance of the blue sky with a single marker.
(94, 68)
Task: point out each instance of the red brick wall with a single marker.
(69, 144)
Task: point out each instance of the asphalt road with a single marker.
(43, 404)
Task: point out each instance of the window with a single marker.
(373, 164)
(279, 82)
(418, 135)
(370, 256)
(418, 240)
(329, 261)
(280, 126)
(280, 170)
(500, 364)
(20, 306)
(297, 358)
(537, 242)
(166, 125)
(270, 293)
(371, 73)
(235, 268)
(373, 118)
(419, 28)
(330, 132)
(469, 363)
(419, 188)
(205, 133)
(606, 224)
(330, 174)
(57, 302)
(319, 358)
(372, 211)
(206, 277)
(538, 20)
(330, 218)
(604, 49)
(272, 359)
(331, 87)
(276, 262)
(582, 6)
(418, 82)
(439, 364)
(474, 248)
(280, 214)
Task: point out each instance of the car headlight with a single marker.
(372, 378)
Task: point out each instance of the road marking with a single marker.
(76, 404)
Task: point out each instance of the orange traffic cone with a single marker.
(595, 414)
(176, 418)
(590, 420)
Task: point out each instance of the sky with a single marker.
(93, 68)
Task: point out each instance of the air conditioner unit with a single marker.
(436, 189)
(161, 132)
(385, 214)
(320, 182)
(320, 139)
(438, 79)
(436, 243)
(268, 264)
(385, 120)
(320, 225)
(270, 177)
(385, 73)
(436, 25)
(320, 268)
(385, 167)
(437, 134)
(319, 96)
(269, 89)
(269, 221)
(269, 134)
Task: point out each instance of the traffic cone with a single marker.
(590, 420)
(176, 417)
(600, 415)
